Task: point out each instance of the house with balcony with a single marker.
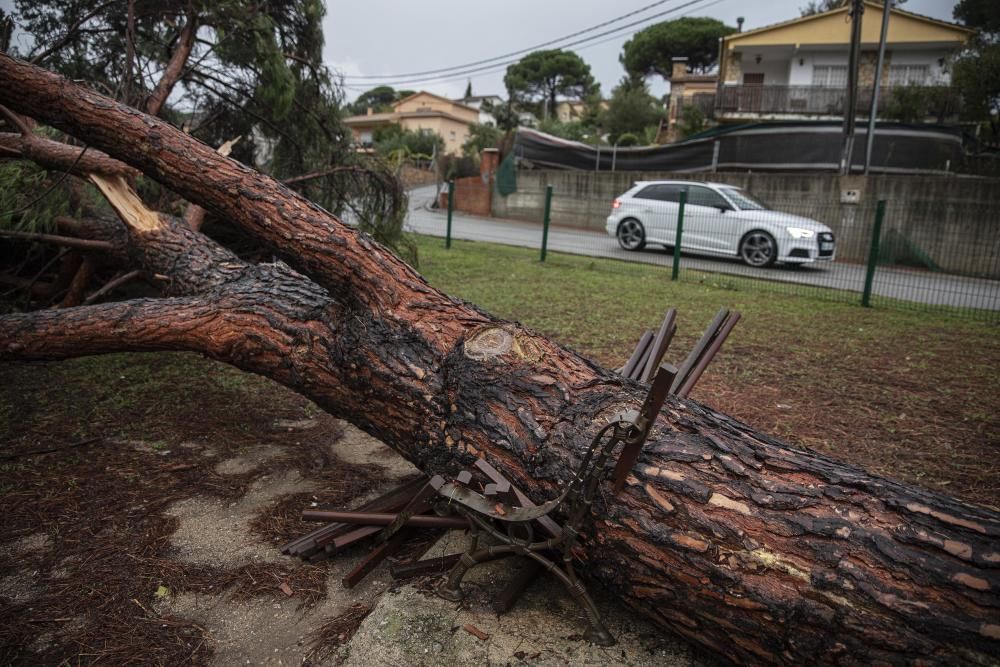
(446, 118)
(797, 70)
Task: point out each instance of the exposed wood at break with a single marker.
(126, 203)
(755, 550)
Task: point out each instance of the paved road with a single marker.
(908, 285)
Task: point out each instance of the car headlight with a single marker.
(800, 233)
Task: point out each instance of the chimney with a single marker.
(678, 68)
(739, 24)
(370, 111)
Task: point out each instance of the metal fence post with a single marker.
(545, 221)
(451, 209)
(677, 239)
(866, 296)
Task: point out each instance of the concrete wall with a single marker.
(954, 221)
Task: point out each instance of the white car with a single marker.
(719, 219)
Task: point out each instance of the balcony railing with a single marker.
(940, 102)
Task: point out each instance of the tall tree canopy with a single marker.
(696, 38)
(222, 70)
(631, 109)
(983, 15)
(976, 72)
(241, 68)
(378, 99)
(820, 6)
(548, 75)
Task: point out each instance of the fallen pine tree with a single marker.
(753, 549)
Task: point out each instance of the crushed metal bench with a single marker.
(502, 514)
(501, 510)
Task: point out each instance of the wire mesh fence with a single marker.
(927, 255)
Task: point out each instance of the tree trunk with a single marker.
(755, 550)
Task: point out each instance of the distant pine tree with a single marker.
(468, 89)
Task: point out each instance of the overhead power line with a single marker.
(514, 53)
(498, 66)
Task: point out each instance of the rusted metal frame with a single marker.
(345, 540)
(637, 355)
(660, 345)
(384, 519)
(647, 416)
(419, 568)
(375, 557)
(392, 501)
(392, 537)
(698, 349)
(419, 504)
(696, 372)
(547, 524)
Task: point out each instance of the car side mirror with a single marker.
(722, 208)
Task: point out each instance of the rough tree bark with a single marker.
(755, 550)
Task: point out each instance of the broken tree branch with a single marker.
(58, 156)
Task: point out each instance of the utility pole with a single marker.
(857, 10)
(876, 86)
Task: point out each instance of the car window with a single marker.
(744, 201)
(701, 196)
(660, 192)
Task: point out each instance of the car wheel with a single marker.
(631, 235)
(758, 249)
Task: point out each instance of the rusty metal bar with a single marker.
(420, 568)
(374, 558)
(708, 356)
(659, 346)
(384, 519)
(419, 504)
(341, 542)
(392, 537)
(391, 501)
(698, 349)
(640, 350)
(647, 416)
(550, 526)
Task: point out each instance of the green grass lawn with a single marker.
(899, 393)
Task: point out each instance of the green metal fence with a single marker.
(928, 255)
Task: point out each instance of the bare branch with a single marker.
(62, 157)
(73, 30)
(15, 120)
(112, 284)
(175, 67)
(322, 173)
(67, 241)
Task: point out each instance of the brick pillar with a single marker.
(489, 160)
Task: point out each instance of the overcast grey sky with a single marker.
(381, 37)
(387, 37)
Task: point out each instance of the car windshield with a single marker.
(744, 201)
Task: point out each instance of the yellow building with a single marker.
(446, 118)
(798, 68)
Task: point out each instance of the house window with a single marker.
(830, 76)
(908, 75)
